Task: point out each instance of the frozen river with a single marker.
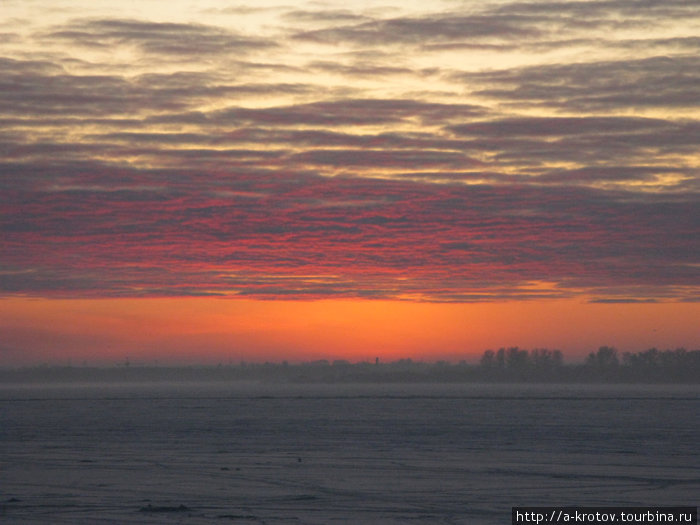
(325, 454)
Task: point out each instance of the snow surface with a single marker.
(327, 454)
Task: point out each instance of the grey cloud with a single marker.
(40, 121)
(487, 26)
(316, 138)
(660, 81)
(199, 85)
(155, 138)
(559, 126)
(10, 38)
(19, 67)
(481, 177)
(50, 279)
(35, 88)
(610, 173)
(382, 158)
(605, 8)
(393, 140)
(674, 45)
(473, 46)
(46, 149)
(225, 154)
(622, 301)
(683, 44)
(176, 117)
(176, 40)
(348, 111)
(428, 29)
(536, 141)
(284, 138)
(361, 70)
(336, 15)
(45, 91)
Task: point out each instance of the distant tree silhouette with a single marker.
(488, 359)
(517, 359)
(504, 365)
(517, 364)
(604, 359)
(546, 363)
(678, 364)
(501, 358)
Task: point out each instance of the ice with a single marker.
(320, 454)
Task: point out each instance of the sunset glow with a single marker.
(273, 181)
(212, 331)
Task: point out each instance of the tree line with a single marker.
(503, 365)
(605, 364)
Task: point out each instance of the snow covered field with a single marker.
(325, 454)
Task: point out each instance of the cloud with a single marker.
(144, 158)
(559, 126)
(623, 301)
(382, 158)
(9, 38)
(324, 16)
(342, 112)
(387, 238)
(421, 30)
(43, 89)
(157, 38)
(538, 141)
(361, 69)
(495, 26)
(638, 9)
(661, 81)
(614, 173)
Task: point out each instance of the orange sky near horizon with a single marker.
(210, 331)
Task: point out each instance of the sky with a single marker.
(222, 181)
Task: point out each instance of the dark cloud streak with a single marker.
(660, 81)
(169, 39)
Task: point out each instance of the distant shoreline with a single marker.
(512, 366)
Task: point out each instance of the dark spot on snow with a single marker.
(164, 508)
